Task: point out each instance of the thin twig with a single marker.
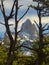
(24, 14)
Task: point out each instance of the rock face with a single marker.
(28, 30)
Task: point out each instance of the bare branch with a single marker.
(24, 14)
(2, 23)
(48, 27)
(36, 7)
(29, 48)
(45, 29)
(46, 33)
(45, 25)
(0, 6)
(9, 17)
(46, 43)
(19, 30)
(10, 24)
(3, 9)
(25, 47)
(12, 10)
(31, 6)
(20, 6)
(19, 47)
(36, 23)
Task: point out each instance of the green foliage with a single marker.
(44, 52)
(3, 55)
(20, 59)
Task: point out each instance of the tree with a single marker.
(40, 12)
(13, 42)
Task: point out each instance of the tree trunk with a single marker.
(40, 52)
(10, 54)
(40, 32)
(41, 57)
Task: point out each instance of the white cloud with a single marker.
(12, 21)
(8, 3)
(35, 17)
(25, 3)
(32, 18)
(43, 19)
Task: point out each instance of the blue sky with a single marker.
(32, 15)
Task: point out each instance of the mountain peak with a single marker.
(28, 29)
(27, 22)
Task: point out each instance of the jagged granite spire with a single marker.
(28, 29)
